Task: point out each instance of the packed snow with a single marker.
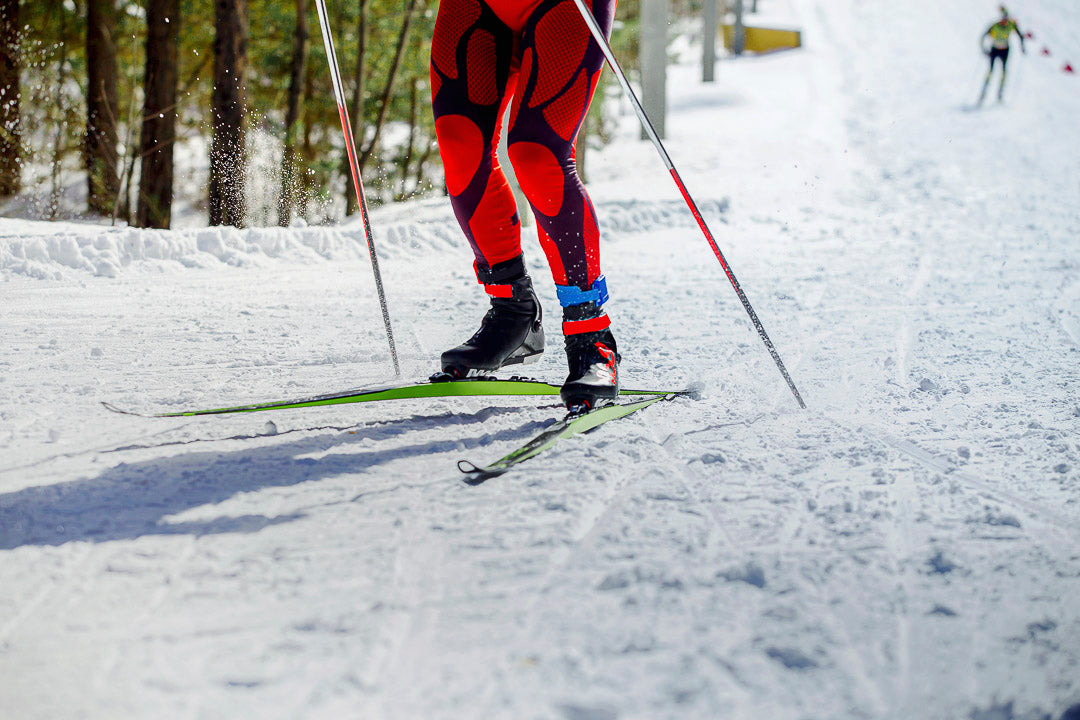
(907, 547)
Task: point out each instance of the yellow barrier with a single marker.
(761, 40)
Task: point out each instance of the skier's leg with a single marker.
(472, 74)
(560, 66)
(471, 80)
(986, 81)
(993, 58)
(1004, 69)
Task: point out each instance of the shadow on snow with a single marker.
(129, 501)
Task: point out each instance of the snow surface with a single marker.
(908, 547)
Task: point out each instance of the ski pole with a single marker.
(354, 167)
(605, 47)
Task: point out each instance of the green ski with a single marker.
(572, 424)
(453, 388)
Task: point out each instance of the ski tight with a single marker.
(996, 54)
(537, 57)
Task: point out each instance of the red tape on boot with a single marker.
(500, 291)
(576, 327)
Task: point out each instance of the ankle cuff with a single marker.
(520, 290)
(502, 273)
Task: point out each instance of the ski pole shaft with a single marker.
(605, 47)
(354, 168)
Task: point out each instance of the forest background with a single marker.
(123, 111)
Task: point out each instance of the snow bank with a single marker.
(53, 250)
(60, 250)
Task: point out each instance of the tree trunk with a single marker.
(351, 203)
(159, 114)
(57, 190)
(290, 161)
(227, 113)
(103, 183)
(10, 131)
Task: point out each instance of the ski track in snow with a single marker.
(908, 547)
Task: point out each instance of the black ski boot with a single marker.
(511, 331)
(592, 356)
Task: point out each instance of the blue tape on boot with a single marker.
(573, 295)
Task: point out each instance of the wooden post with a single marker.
(709, 21)
(740, 29)
(654, 15)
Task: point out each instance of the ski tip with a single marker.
(112, 408)
(120, 411)
(476, 475)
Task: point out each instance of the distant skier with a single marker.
(540, 55)
(999, 34)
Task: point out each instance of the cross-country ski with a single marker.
(494, 387)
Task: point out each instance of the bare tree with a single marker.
(159, 114)
(128, 158)
(307, 145)
(10, 130)
(391, 76)
(384, 98)
(227, 113)
(103, 182)
(290, 161)
(59, 144)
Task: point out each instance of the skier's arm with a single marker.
(1021, 36)
(982, 40)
